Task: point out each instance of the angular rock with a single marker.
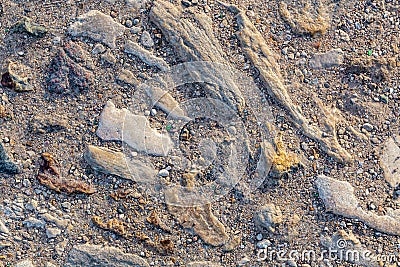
(126, 76)
(269, 216)
(146, 56)
(332, 58)
(116, 163)
(348, 244)
(24, 263)
(263, 58)
(52, 232)
(99, 256)
(194, 40)
(108, 58)
(203, 223)
(339, 199)
(134, 130)
(70, 70)
(17, 77)
(6, 166)
(97, 26)
(27, 25)
(62, 223)
(146, 40)
(202, 264)
(390, 161)
(48, 123)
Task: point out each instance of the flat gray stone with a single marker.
(98, 27)
(339, 198)
(390, 161)
(99, 256)
(134, 130)
(332, 58)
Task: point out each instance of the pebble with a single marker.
(259, 237)
(3, 228)
(33, 223)
(264, 244)
(367, 126)
(128, 23)
(163, 173)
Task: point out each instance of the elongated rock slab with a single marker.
(110, 162)
(134, 130)
(339, 199)
(97, 26)
(262, 57)
(390, 161)
(98, 256)
(145, 55)
(195, 41)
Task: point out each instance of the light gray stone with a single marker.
(97, 26)
(134, 130)
(146, 40)
(52, 232)
(98, 256)
(24, 263)
(332, 58)
(390, 161)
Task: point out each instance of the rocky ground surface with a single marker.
(80, 138)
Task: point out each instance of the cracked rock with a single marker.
(97, 26)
